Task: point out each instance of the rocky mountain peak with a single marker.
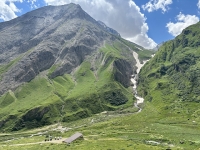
(49, 36)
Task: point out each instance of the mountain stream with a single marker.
(139, 100)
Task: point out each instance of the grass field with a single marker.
(75, 101)
(115, 130)
(89, 89)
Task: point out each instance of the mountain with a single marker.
(170, 80)
(59, 64)
(44, 38)
(158, 46)
(110, 30)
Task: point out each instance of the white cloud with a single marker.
(157, 4)
(198, 4)
(33, 4)
(123, 16)
(183, 21)
(8, 9)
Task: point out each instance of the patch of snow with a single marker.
(139, 48)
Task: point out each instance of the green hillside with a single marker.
(62, 72)
(98, 84)
(171, 79)
(169, 119)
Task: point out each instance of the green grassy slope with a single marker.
(90, 89)
(170, 118)
(115, 130)
(170, 81)
(167, 122)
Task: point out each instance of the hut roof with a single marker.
(73, 138)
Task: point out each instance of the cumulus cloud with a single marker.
(183, 21)
(123, 16)
(33, 4)
(198, 4)
(8, 9)
(153, 5)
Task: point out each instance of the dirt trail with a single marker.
(43, 142)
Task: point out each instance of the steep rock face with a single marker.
(110, 30)
(123, 72)
(61, 36)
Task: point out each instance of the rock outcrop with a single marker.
(61, 36)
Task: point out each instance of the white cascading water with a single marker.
(140, 100)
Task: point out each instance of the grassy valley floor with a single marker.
(126, 130)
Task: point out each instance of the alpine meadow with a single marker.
(64, 74)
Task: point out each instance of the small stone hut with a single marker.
(73, 138)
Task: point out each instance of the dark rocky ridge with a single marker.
(122, 72)
(53, 35)
(110, 30)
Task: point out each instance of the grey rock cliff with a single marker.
(53, 35)
(110, 30)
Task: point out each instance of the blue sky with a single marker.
(145, 22)
(158, 19)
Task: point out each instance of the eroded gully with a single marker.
(139, 100)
